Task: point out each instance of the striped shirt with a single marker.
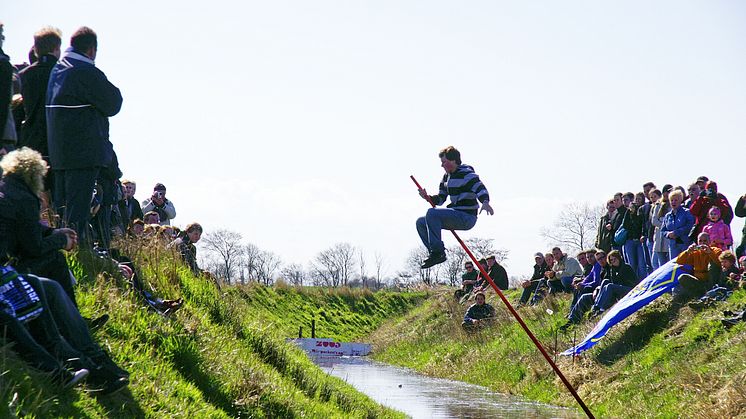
(464, 188)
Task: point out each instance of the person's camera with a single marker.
(159, 194)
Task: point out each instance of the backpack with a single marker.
(17, 297)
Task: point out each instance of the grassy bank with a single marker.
(222, 355)
(664, 361)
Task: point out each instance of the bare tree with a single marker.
(266, 265)
(293, 274)
(225, 247)
(361, 265)
(334, 265)
(427, 276)
(454, 264)
(249, 258)
(379, 264)
(574, 228)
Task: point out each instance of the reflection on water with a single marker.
(426, 397)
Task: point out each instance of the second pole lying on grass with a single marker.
(516, 315)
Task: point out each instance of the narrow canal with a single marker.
(420, 396)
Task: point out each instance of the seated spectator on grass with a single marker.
(529, 286)
(137, 228)
(704, 259)
(468, 279)
(479, 314)
(587, 294)
(719, 232)
(618, 280)
(708, 198)
(152, 217)
(583, 261)
(564, 270)
(676, 225)
(605, 233)
(729, 279)
(61, 341)
(741, 212)
(497, 273)
(481, 283)
(34, 247)
(590, 282)
(158, 203)
(545, 285)
(187, 249)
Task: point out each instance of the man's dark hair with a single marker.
(46, 40)
(629, 195)
(649, 185)
(451, 153)
(83, 39)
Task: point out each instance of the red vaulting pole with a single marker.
(515, 314)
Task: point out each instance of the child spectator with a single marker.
(730, 278)
(719, 232)
(186, 247)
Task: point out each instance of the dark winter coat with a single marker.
(34, 81)
(21, 234)
(79, 101)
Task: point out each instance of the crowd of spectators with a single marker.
(638, 233)
(61, 189)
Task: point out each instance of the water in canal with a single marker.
(420, 396)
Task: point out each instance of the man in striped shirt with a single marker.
(466, 192)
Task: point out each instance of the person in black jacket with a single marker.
(633, 223)
(618, 281)
(740, 211)
(79, 101)
(479, 314)
(497, 273)
(605, 233)
(33, 247)
(529, 286)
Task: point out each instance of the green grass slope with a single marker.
(222, 355)
(664, 361)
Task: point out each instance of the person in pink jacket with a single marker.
(719, 232)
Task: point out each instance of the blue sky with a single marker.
(298, 123)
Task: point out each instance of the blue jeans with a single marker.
(659, 259)
(675, 248)
(635, 257)
(437, 219)
(609, 294)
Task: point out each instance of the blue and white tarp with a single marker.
(656, 284)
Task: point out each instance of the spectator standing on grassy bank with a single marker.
(605, 233)
(462, 184)
(80, 100)
(34, 81)
(741, 212)
(677, 224)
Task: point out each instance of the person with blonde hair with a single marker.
(35, 248)
(677, 225)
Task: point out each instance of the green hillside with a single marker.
(222, 355)
(665, 361)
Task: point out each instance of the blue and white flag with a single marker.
(656, 284)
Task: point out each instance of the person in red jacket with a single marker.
(708, 198)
